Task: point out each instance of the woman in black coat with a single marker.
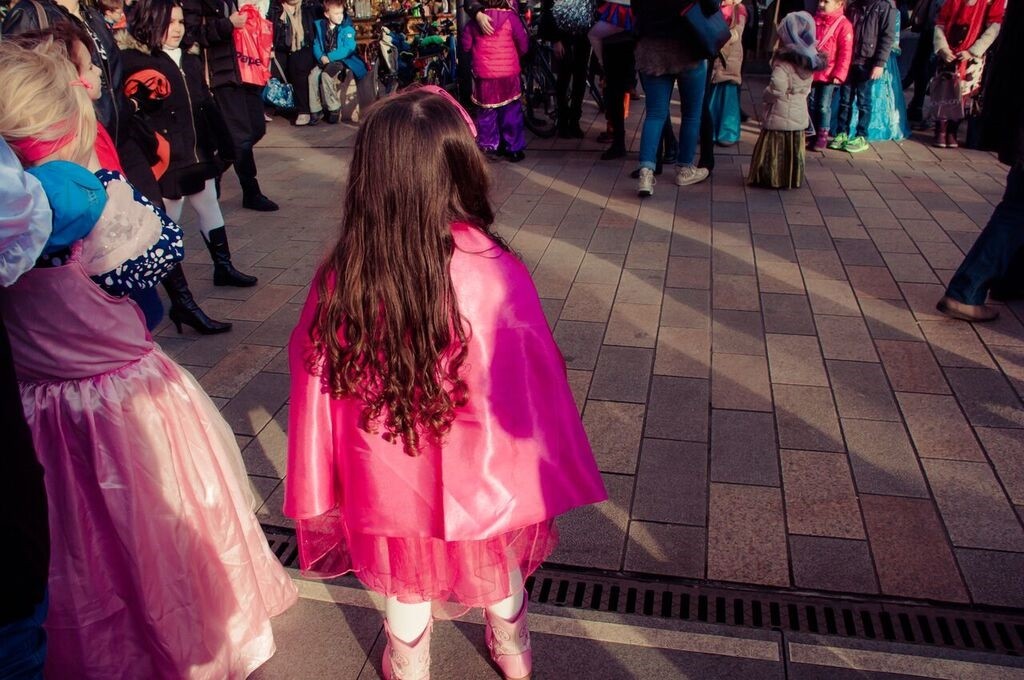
(177, 104)
(293, 48)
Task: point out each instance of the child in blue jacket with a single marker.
(334, 48)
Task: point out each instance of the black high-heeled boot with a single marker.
(185, 310)
(224, 273)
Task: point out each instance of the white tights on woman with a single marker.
(408, 621)
(205, 204)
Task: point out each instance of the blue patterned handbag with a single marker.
(279, 93)
(704, 28)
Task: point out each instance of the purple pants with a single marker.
(503, 123)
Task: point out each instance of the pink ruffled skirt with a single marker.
(423, 569)
(159, 568)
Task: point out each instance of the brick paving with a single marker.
(770, 394)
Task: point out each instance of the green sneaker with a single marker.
(838, 142)
(856, 145)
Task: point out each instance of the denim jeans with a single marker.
(820, 105)
(990, 257)
(23, 646)
(658, 90)
(856, 92)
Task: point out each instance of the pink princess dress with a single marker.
(454, 522)
(159, 568)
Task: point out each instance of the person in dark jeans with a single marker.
(571, 60)
(208, 27)
(24, 226)
(993, 264)
(620, 77)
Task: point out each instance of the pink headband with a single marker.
(31, 149)
(440, 91)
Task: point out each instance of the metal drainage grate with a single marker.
(975, 628)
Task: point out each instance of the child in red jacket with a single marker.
(835, 41)
(496, 87)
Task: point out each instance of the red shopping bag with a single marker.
(253, 46)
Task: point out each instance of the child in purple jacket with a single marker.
(496, 87)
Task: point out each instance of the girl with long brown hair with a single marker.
(433, 437)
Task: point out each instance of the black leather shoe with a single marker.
(259, 202)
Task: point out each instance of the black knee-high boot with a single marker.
(224, 273)
(185, 310)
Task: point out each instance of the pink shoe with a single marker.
(403, 661)
(509, 644)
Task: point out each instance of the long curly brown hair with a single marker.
(387, 329)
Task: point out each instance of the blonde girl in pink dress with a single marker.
(159, 569)
(432, 436)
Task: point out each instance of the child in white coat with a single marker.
(778, 158)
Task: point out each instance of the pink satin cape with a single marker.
(159, 568)
(448, 522)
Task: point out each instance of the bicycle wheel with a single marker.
(540, 104)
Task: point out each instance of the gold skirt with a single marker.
(778, 160)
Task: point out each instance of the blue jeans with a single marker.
(23, 646)
(820, 105)
(856, 92)
(658, 90)
(989, 259)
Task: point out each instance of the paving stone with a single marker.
(806, 418)
(882, 459)
(686, 308)
(909, 267)
(873, 282)
(672, 482)
(911, 367)
(820, 496)
(683, 352)
(264, 302)
(858, 252)
(600, 268)
(789, 314)
(976, 512)
(253, 406)
(688, 272)
(774, 249)
(580, 343)
(861, 391)
(891, 240)
(735, 292)
(235, 370)
(736, 332)
(579, 383)
(747, 535)
(908, 545)
(646, 255)
(795, 360)
(779, 277)
(266, 454)
(614, 429)
(938, 427)
(1006, 452)
(640, 286)
(595, 535)
(832, 297)
(986, 397)
(740, 381)
(890, 320)
(667, 549)
(589, 302)
(622, 374)
(845, 338)
(832, 564)
(941, 255)
(632, 325)
(808, 237)
(743, 448)
(985, 572)
(820, 264)
(678, 409)
(956, 344)
(1005, 333)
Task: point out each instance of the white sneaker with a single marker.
(645, 186)
(688, 174)
(302, 119)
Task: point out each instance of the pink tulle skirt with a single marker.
(159, 568)
(422, 569)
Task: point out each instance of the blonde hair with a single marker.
(38, 100)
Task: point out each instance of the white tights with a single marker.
(205, 204)
(408, 621)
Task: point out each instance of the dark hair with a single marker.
(495, 4)
(111, 5)
(149, 21)
(387, 329)
(335, 3)
(63, 33)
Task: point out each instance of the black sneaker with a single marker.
(259, 203)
